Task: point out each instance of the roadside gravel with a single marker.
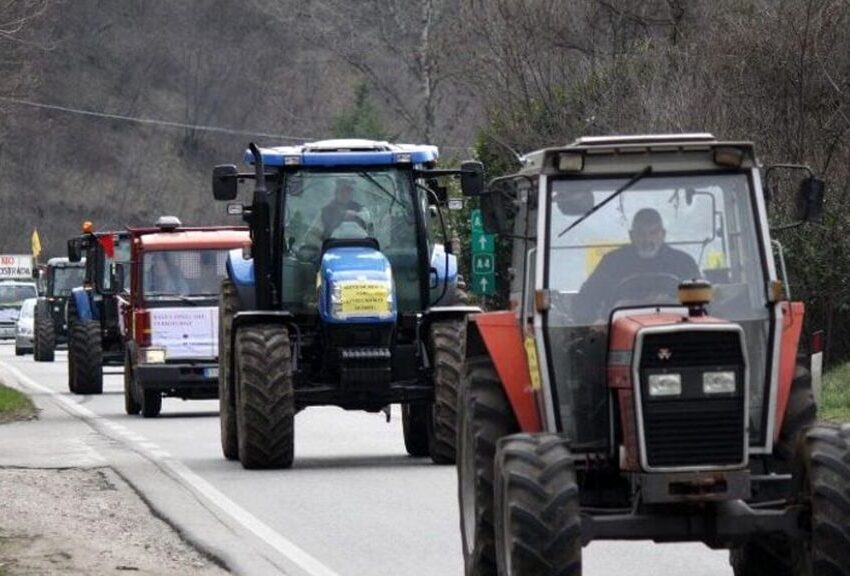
(86, 521)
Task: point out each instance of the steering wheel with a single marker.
(647, 288)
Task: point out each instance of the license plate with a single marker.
(211, 372)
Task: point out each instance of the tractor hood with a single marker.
(356, 285)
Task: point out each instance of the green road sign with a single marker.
(475, 220)
(484, 284)
(482, 264)
(482, 242)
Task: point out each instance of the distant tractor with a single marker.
(59, 277)
(171, 321)
(347, 297)
(94, 326)
(650, 382)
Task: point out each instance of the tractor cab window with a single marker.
(321, 205)
(63, 279)
(169, 275)
(121, 255)
(634, 251)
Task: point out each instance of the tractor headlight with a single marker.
(665, 385)
(155, 356)
(719, 382)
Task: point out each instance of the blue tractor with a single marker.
(345, 299)
(94, 317)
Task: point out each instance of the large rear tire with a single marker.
(768, 555)
(448, 344)
(538, 519)
(85, 357)
(44, 340)
(485, 417)
(131, 405)
(414, 424)
(822, 484)
(265, 400)
(228, 304)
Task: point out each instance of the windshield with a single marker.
(121, 253)
(66, 278)
(635, 251)
(167, 274)
(15, 294)
(320, 205)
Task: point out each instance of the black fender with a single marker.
(438, 313)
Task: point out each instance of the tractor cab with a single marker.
(346, 259)
(657, 342)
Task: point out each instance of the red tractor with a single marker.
(170, 322)
(650, 381)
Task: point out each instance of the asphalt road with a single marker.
(353, 504)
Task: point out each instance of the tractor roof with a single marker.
(347, 152)
(65, 263)
(626, 154)
(199, 239)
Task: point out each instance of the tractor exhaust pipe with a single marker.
(261, 233)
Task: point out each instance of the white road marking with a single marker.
(181, 472)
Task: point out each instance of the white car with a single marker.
(25, 327)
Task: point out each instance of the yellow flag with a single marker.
(36, 243)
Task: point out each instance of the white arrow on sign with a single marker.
(483, 284)
(482, 241)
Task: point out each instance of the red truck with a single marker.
(170, 321)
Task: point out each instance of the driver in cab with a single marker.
(646, 256)
(342, 208)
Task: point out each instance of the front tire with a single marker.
(265, 400)
(414, 424)
(485, 417)
(131, 405)
(538, 520)
(151, 403)
(228, 305)
(85, 358)
(767, 555)
(822, 481)
(448, 343)
(44, 340)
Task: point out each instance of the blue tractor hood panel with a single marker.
(356, 286)
(83, 304)
(348, 152)
(240, 270)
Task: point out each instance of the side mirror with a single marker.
(472, 178)
(224, 182)
(810, 200)
(75, 250)
(36, 273)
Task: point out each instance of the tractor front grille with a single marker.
(694, 433)
(693, 429)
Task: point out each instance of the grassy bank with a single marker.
(835, 396)
(14, 405)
